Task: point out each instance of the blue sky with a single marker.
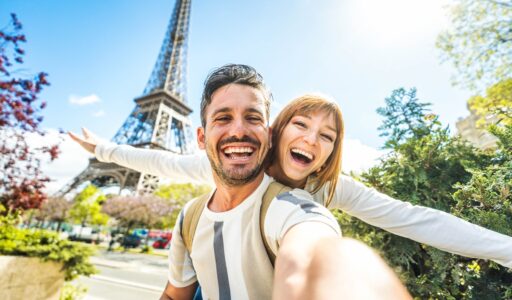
(357, 51)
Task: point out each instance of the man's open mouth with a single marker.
(238, 152)
(302, 156)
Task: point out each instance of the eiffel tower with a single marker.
(159, 119)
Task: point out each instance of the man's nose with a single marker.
(238, 128)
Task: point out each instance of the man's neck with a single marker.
(228, 197)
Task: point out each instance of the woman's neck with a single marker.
(278, 174)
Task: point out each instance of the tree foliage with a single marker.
(179, 194)
(21, 180)
(436, 170)
(144, 211)
(497, 103)
(479, 42)
(86, 207)
(54, 210)
(405, 117)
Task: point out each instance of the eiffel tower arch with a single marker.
(160, 117)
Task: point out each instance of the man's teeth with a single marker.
(304, 153)
(238, 150)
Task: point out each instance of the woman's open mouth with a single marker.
(301, 156)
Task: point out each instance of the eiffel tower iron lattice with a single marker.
(159, 119)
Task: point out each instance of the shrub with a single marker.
(46, 245)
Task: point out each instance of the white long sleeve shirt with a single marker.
(422, 224)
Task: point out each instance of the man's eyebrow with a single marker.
(222, 110)
(254, 110)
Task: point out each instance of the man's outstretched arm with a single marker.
(314, 263)
(174, 293)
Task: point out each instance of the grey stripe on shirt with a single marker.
(306, 205)
(220, 262)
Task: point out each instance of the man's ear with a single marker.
(200, 138)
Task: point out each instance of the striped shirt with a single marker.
(228, 255)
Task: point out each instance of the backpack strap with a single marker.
(191, 219)
(275, 188)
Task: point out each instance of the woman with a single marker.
(306, 153)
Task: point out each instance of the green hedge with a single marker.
(46, 245)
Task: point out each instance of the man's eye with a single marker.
(254, 118)
(223, 119)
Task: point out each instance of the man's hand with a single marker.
(313, 263)
(88, 142)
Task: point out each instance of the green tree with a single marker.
(496, 102)
(404, 117)
(86, 207)
(429, 167)
(479, 42)
(179, 194)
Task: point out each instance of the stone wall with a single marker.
(29, 278)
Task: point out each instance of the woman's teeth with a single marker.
(302, 155)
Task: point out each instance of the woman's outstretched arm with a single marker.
(422, 224)
(195, 167)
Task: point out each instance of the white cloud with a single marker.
(358, 157)
(85, 100)
(71, 161)
(99, 113)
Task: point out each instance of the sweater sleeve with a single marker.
(195, 167)
(422, 224)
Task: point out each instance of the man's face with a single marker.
(236, 136)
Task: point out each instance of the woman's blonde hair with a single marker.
(305, 105)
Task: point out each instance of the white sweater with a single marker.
(422, 224)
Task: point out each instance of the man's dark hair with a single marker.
(233, 73)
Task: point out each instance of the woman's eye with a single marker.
(300, 124)
(327, 137)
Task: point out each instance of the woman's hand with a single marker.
(88, 142)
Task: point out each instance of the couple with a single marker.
(228, 257)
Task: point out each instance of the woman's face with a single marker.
(305, 145)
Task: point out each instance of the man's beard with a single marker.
(234, 176)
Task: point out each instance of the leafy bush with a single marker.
(72, 291)
(46, 245)
(426, 166)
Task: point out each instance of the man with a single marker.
(228, 257)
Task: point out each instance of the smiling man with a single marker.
(228, 257)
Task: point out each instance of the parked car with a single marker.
(162, 243)
(86, 234)
(131, 241)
